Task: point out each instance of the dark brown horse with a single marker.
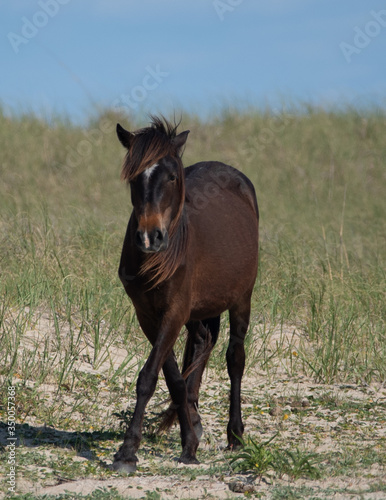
(189, 254)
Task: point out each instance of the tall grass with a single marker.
(319, 178)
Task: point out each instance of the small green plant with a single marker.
(124, 417)
(255, 457)
(153, 495)
(260, 459)
(297, 464)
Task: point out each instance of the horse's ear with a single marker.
(124, 136)
(179, 140)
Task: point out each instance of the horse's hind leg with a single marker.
(239, 320)
(177, 388)
(202, 336)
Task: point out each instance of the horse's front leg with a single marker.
(125, 459)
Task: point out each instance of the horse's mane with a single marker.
(161, 266)
(148, 146)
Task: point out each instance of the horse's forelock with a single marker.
(149, 145)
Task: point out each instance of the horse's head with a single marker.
(155, 195)
(153, 167)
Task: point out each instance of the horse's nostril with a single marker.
(151, 241)
(158, 236)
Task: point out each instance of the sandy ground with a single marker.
(269, 404)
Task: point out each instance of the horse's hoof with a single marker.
(188, 460)
(122, 466)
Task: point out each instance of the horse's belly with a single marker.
(224, 275)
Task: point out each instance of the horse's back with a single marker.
(208, 180)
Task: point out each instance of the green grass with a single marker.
(318, 177)
(319, 304)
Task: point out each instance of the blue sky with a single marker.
(77, 56)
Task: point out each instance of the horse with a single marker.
(190, 253)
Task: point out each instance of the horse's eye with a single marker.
(172, 177)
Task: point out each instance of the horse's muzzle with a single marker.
(152, 241)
